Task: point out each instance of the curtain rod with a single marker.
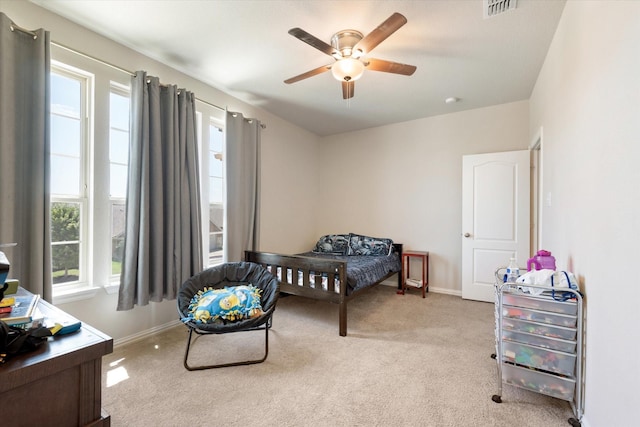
(14, 27)
(123, 70)
(115, 67)
(131, 73)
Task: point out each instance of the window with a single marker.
(211, 144)
(89, 142)
(90, 105)
(119, 158)
(69, 121)
(216, 193)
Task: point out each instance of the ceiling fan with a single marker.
(349, 48)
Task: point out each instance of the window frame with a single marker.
(207, 116)
(125, 91)
(96, 214)
(86, 80)
(214, 126)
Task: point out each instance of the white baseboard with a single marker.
(438, 290)
(144, 334)
(434, 289)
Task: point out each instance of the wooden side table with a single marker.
(424, 257)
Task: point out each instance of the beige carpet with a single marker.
(407, 361)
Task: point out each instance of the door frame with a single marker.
(537, 191)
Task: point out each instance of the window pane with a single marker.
(65, 239)
(215, 190)
(119, 111)
(65, 136)
(117, 237)
(215, 139)
(65, 95)
(118, 181)
(215, 165)
(65, 175)
(119, 146)
(216, 193)
(65, 263)
(118, 143)
(65, 222)
(216, 219)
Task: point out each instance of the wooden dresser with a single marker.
(60, 383)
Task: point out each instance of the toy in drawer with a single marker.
(540, 303)
(539, 328)
(539, 358)
(539, 316)
(539, 341)
(540, 382)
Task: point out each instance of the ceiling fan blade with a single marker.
(308, 74)
(313, 41)
(347, 89)
(375, 37)
(389, 67)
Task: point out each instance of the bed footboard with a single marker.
(316, 278)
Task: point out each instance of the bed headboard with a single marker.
(398, 248)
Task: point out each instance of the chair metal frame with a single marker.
(217, 277)
(201, 332)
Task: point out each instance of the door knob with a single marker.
(467, 235)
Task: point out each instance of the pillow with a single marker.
(336, 244)
(365, 245)
(225, 305)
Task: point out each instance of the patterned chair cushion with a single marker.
(228, 304)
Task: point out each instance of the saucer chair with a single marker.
(219, 277)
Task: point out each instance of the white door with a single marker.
(495, 218)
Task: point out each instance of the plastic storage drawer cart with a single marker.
(539, 342)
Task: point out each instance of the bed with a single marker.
(334, 272)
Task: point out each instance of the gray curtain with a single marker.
(242, 149)
(24, 155)
(163, 235)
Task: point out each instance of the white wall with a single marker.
(285, 181)
(587, 101)
(290, 186)
(404, 181)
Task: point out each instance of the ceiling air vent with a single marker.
(496, 7)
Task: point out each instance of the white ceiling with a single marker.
(243, 49)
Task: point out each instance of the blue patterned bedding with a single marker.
(365, 270)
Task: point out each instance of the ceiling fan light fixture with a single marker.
(349, 48)
(347, 69)
(357, 53)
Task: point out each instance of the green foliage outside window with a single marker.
(65, 236)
